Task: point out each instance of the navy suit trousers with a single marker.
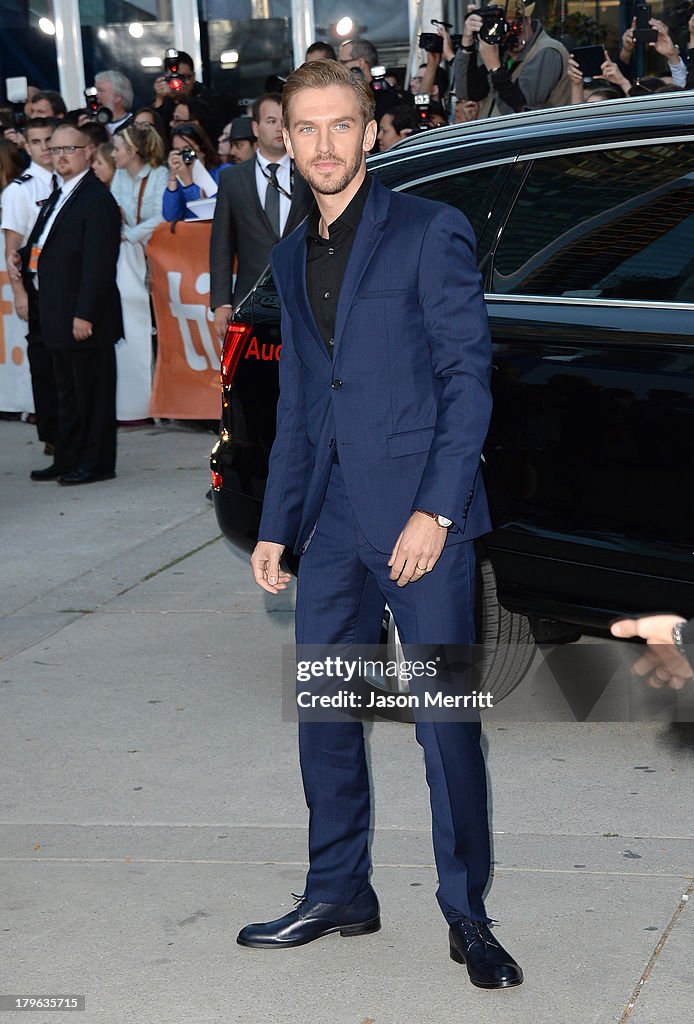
(343, 586)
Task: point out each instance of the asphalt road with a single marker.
(150, 800)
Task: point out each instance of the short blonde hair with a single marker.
(146, 141)
(320, 74)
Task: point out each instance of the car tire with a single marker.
(506, 637)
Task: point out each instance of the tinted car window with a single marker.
(615, 224)
(474, 192)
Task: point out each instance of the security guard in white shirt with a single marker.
(22, 200)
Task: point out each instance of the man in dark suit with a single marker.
(374, 477)
(258, 202)
(71, 258)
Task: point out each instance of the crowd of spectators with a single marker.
(159, 160)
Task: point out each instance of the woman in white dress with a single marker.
(138, 187)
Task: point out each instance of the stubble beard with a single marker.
(333, 186)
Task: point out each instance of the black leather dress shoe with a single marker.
(83, 476)
(49, 473)
(311, 921)
(487, 962)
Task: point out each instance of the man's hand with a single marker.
(161, 90)
(417, 549)
(448, 51)
(627, 51)
(575, 76)
(265, 563)
(472, 24)
(490, 55)
(664, 44)
(14, 267)
(81, 329)
(222, 316)
(611, 72)
(21, 301)
(662, 658)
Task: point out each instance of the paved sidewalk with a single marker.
(150, 799)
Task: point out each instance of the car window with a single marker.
(616, 224)
(473, 191)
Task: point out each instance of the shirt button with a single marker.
(336, 384)
(331, 341)
(326, 295)
(331, 252)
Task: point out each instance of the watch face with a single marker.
(444, 522)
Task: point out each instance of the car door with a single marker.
(590, 452)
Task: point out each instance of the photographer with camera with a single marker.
(178, 85)
(513, 66)
(432, 78)
(192, 157)
(114, 96)
(361, 57)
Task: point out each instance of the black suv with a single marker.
(584, 219)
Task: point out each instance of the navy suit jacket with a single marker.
(406, 397)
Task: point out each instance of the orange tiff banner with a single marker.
(186, 378)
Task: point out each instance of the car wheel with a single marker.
(505, 638)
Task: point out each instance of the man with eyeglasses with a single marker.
(70, 260)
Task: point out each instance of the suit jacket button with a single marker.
(336, 384)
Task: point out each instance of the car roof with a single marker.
(655, 111)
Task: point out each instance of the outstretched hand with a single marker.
(661, 664)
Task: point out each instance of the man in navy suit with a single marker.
(374, 478)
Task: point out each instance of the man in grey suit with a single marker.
(258, 202)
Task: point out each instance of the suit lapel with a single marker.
(366, 239)
(300, 291)
(298, 209)
(66, 206)
(254, 198)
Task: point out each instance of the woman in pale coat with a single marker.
(138, 187)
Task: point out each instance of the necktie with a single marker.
(44, 213)
(272, 199)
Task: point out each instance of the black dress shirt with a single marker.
(326, 260)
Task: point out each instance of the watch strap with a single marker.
(678, 639)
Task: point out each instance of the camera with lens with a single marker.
(432, 42)
(494, 28)
(95, 112)
(172, 75)
(188, 155)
